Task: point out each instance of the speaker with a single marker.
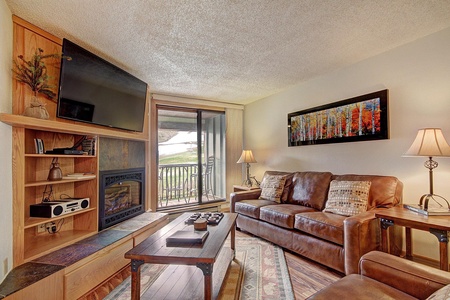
(57, 208)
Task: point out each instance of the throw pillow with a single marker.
(272, 187)
(441, 294)
(347, 198)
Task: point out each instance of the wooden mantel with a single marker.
(72, 128)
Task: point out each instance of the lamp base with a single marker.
(426, 198)
(247, 183)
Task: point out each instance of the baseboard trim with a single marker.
(213, 207)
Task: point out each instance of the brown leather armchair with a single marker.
(385, 276)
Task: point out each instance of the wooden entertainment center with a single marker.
(30, 181)
(30, 185)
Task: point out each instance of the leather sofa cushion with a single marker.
(251, 207)
(355, 286)
(282, 215)
(310, 189)
(326, 226)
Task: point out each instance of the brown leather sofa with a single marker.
(298, 223)
(384, 276)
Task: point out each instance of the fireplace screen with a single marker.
(121, 195)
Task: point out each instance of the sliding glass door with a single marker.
(191, 156)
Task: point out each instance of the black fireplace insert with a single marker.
(121, 195)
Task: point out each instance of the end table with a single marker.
(439, 226)
(241, 188)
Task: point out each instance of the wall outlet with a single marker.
(41, 228)
(46, 227)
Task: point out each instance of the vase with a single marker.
(36, 109)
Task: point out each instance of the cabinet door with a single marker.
(94, 272)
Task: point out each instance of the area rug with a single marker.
(259, 271)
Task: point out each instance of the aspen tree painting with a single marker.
(360, 118)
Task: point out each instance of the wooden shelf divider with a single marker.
(62, 181)
(32, 222)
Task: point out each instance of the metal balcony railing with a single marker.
(179, 182)
(176, 182)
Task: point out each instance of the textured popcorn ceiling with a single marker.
(235, 51)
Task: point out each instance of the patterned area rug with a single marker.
(259, 271)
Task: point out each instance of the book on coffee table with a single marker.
(183, 237)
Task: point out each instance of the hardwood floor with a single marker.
(307, 277)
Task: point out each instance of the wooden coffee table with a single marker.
(154, 250)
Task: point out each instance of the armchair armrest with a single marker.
(244, 195)
(415, 279)
(361, 235)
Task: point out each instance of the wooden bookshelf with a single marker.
(30, 171)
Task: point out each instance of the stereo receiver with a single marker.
(58, 208)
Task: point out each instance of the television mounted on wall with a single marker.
(95, 91)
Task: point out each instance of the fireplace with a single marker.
(121, 196)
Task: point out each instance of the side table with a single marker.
(436, 225)
(241, 188)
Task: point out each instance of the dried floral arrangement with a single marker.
(34, 72)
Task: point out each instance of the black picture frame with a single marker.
(333, 120)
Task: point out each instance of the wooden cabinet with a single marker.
(31, 187)
(83, 269)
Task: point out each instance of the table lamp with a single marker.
(247, 157)
(429, 142)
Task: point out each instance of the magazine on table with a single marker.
(430, 211)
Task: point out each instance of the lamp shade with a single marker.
(246, 157)
(429, 142)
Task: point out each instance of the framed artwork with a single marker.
(362, 118)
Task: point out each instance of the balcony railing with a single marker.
(178, 184)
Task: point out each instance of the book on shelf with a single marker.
(39, 146)
(430, 211)
(76, 176)
(182, 237)
(88, 145)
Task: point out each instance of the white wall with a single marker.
(5, 141)
(418, 78)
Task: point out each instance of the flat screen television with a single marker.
(95, 91)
